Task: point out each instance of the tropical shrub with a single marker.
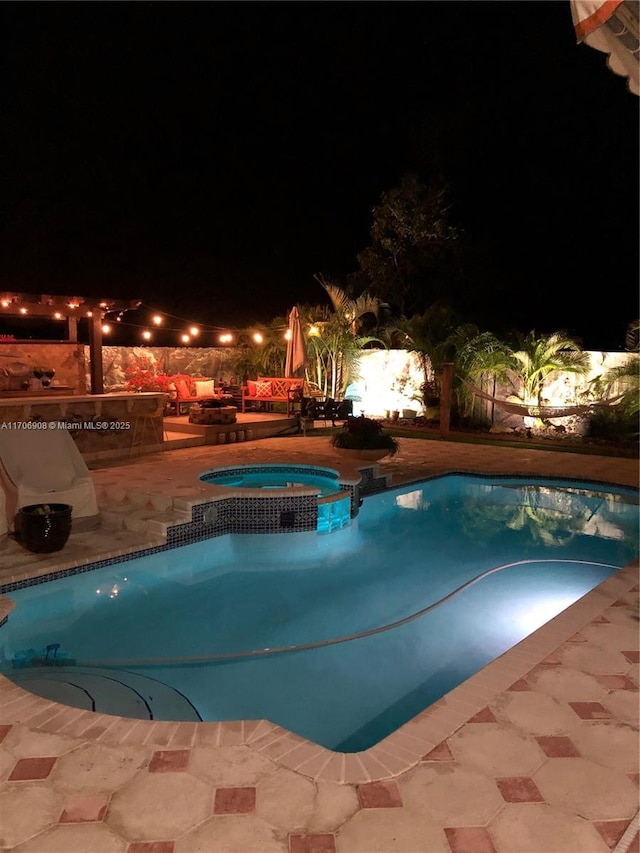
(364, 434)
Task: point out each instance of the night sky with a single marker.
(209, 158)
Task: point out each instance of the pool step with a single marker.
(133, 509)
(106, 691)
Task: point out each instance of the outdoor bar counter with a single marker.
(101, 424)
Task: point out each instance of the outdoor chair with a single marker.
(327, 410)
(39, 466)
(4, 526)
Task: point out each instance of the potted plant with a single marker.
(43, 528)
(364, 438)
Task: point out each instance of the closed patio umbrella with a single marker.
(612, 27)
(296, 348)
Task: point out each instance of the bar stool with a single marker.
(144, 426)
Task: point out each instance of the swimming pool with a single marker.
(193, 619)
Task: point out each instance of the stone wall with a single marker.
(212, 362)
(18, 358)
(100, 424)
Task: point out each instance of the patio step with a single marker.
(139, 511)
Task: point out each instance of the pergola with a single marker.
(71, 309)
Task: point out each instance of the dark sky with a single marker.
(210, 157)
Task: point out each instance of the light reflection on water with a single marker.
(409, 547)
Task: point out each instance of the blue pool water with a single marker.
(191, 618)
(324, 480)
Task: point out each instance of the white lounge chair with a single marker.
(4, 525)
(45, 466)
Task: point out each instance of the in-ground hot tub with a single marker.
(326, 480)
(336, 499)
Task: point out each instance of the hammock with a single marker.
(542, 412)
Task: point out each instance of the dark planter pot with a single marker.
(43, 532)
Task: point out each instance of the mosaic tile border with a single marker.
(223, 517)
(237, 470)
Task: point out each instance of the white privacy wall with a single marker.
(390, 378)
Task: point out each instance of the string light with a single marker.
(110, 315)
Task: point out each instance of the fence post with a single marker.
(445, 398)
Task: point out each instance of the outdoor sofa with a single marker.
(186, 392)
(265, 390)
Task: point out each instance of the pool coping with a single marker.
(390, 757)
(163, 528)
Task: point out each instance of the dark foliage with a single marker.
(364, 434)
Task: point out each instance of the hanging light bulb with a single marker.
(146, 335)
(194, 331)
(257, 337)
(156, 320)
(185, 339)
(106, 328)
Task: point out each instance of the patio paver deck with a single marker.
(536, 753)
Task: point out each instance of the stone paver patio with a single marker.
(536, 753)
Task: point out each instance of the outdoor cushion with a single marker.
(263, 389)
(204, 388)
(251, 387)
(182, 386)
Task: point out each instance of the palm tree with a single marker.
(436, 337)
(335, 338)
(266, 358)
(273, 350)
(624, 379)
(534, 359)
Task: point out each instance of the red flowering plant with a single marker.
(145, 376)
